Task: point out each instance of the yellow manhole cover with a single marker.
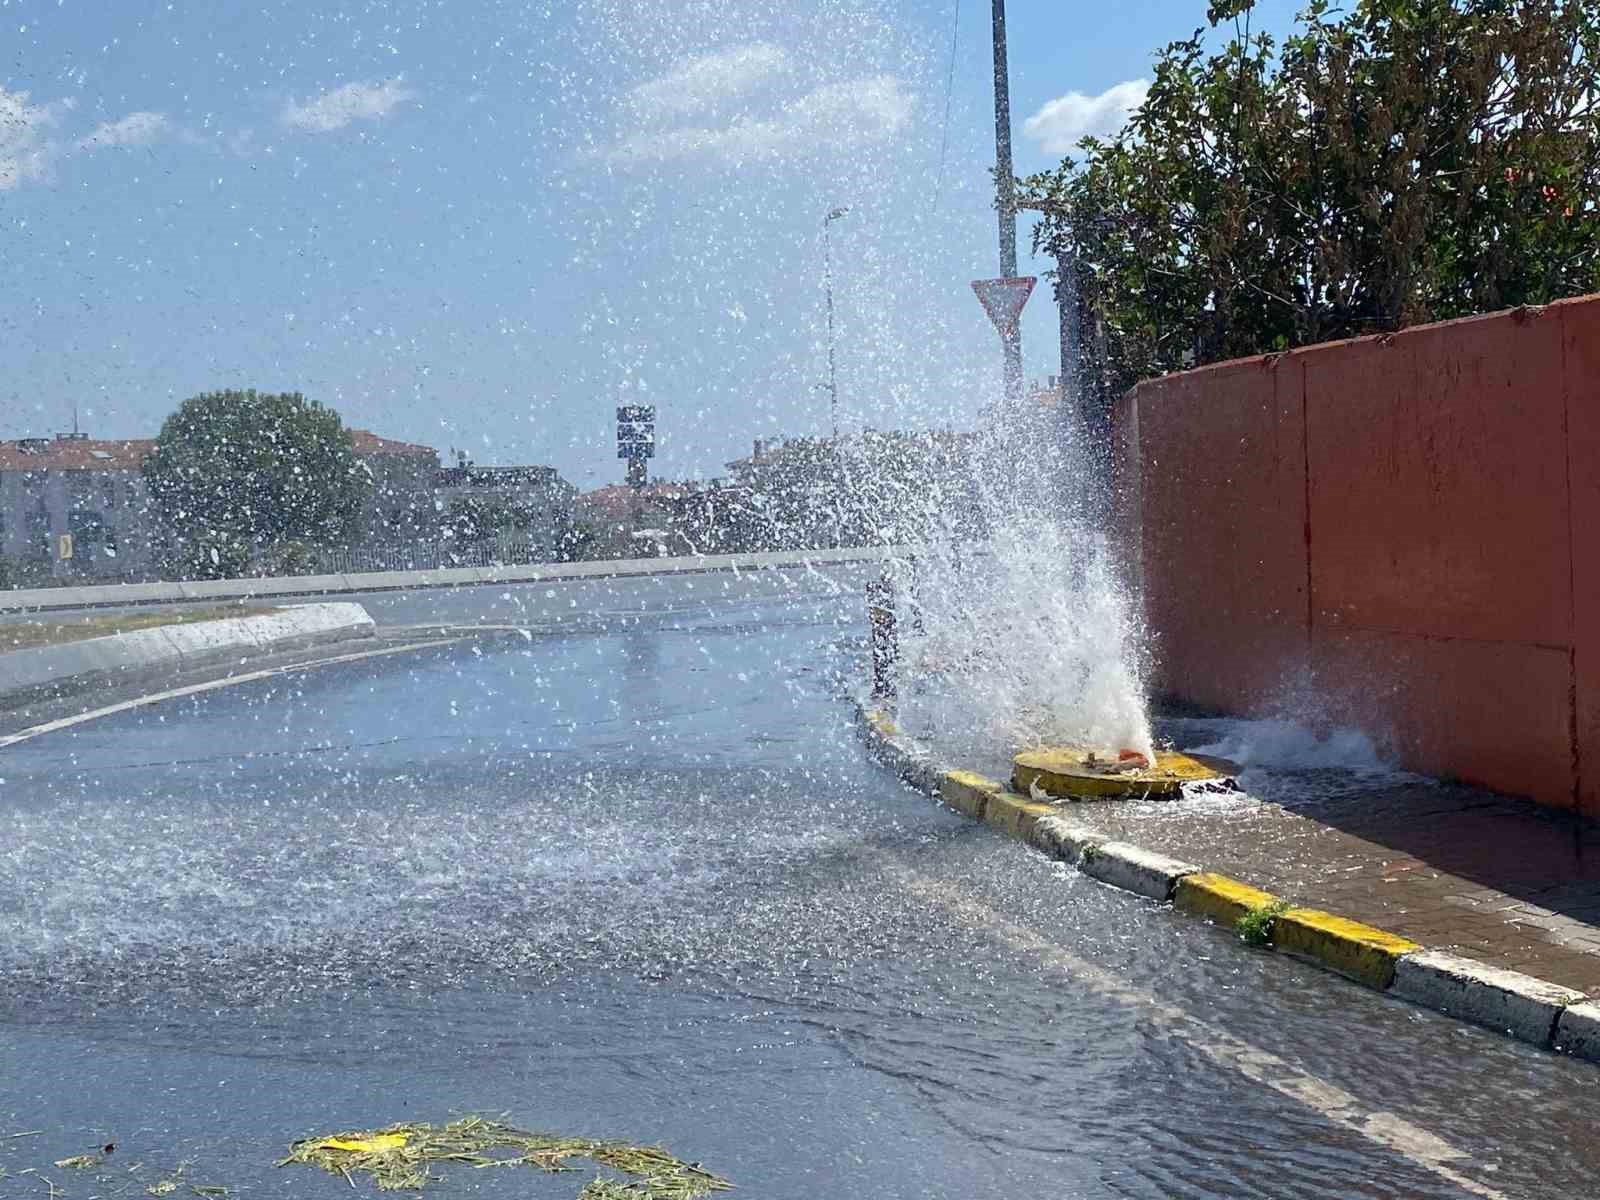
(1081, 775)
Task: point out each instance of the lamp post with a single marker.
(827, 278)
(1006, 199)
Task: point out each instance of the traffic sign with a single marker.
(1003, 299)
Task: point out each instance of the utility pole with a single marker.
(1004, 177)
(827, 279)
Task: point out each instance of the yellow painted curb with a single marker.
(881, 723)
(1077, 775)
(1014, 814)
(1362, 952)
(1216, 896)
(968, 793)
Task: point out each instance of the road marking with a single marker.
(192, 689)
(1332, 1102)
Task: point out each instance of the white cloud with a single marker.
(704, 83)
(135, 129)
(1060, 124)
(24, 153)
(352, 102)
(835, 116)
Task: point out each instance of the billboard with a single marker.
(636, 431)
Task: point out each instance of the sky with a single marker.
(483, 224)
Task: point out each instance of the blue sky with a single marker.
(484, 223)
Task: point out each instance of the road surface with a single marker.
(635, 877)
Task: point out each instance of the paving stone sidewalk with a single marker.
(1496, 879)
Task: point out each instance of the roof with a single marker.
(75, 454)
(367, 442)
(128, 454)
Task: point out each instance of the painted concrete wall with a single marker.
(1401, 532)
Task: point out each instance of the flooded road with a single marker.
(645, 883)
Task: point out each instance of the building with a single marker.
(532, 507)
(72, 506)
(401, 509)
(862, 488)
(79, 497)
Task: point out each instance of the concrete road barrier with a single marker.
(140, 655)
(118, 595)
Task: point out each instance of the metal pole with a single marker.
(884, 639)
(827, 277)
(1004, 184)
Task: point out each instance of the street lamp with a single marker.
(827, 277)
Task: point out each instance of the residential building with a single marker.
(79, 496)
(401, 508)
(861, 488)
(91, 492)
(533, 504)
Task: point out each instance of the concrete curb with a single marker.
(50, 672)
(124, 594)
(1525, 1007)
(1532, 1010)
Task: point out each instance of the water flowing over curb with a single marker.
(1523, 1007)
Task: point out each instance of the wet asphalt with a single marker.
(633, 875)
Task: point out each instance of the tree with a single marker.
(1413, 160)
(235, 474)
(477, 518)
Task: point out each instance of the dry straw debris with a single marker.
(402, 1157)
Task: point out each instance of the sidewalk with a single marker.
(1488, 877)
(1481, 906)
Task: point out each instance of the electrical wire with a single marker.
(949, 88)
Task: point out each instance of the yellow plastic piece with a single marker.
(1359, 951)
(376, 1143)
(1079, 775)
(1222, 899)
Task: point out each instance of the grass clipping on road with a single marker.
(401, 1157)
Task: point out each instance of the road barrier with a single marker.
(119, 595)
(144, 655)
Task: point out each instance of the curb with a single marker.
(51, 672)
(1531, 1010)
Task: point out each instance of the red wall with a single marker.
(1396, 530)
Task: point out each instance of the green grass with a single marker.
(1255, 927)
(25, 635)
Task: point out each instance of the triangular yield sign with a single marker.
(1003, 299)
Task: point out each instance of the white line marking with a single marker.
(1261, 1066)
(33, 731)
